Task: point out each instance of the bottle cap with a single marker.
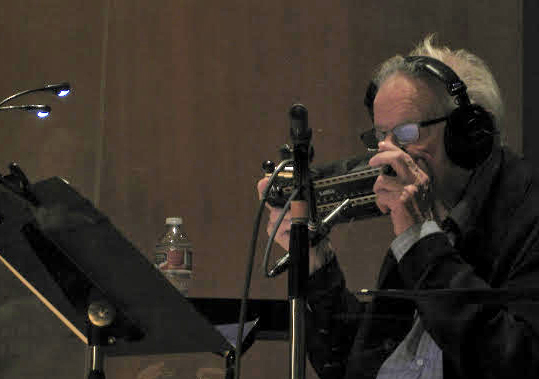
(173, 221)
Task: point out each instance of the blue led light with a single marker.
(42, 114)
(63, 93)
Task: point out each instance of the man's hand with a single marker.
(318, 256)
(406, 196)
(283, 234)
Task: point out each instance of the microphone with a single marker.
(299, 124)
(40, 110)
(298, 270)
(301, 136)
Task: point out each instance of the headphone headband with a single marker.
(445, 74)
(435, 68)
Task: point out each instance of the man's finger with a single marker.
(389, 200)
(408, 198)
(387, 183)
(402, 163)
(261, 186)
(387, 146)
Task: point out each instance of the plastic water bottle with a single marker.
(174, 255)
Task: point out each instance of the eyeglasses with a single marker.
(405, 133)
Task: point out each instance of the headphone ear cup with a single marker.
(469, 136)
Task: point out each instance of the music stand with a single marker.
(93, 279)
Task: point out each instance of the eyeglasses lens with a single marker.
(406, 133)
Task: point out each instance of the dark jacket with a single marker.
(347, 338)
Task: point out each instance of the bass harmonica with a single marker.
(332, 186)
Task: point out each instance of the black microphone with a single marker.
(299, 124)
(301, 136)
(300, 207)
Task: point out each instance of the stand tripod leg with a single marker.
(230, 364)
(96, 363)
(101, 315)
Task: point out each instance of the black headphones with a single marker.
(469, 133)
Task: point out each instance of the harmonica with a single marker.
(331, 189)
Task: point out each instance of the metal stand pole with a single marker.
(100, 314)
(96, 363)
(297, 343)
(230, 363)
(298, 271)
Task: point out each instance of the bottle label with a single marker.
(175, 263)
(175, 259)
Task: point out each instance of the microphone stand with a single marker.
(298, 271)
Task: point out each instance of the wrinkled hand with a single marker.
(407, 196)
(283, 234)
(318, 256)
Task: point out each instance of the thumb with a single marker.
(261, 186)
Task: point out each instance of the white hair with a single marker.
(481, 86)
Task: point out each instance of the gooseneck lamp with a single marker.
(41, 110)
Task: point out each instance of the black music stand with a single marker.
(92, 278)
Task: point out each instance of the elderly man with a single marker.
(465, 215)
